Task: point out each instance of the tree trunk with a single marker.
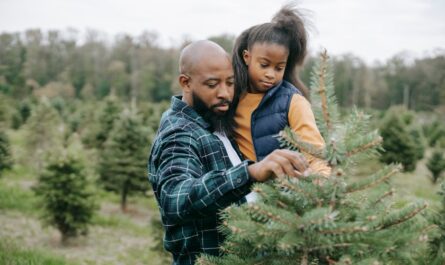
(124, 199)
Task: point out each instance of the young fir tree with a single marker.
(5, 147)
(123, 158)
(25, 110)
(107, 116)
(44, 131)
(319, 220)
(436, 164)
(5, 151)
(66, 193)
(21, 114)
(398, 144)
(4, 111)
(436, 253)
(434, 132)
(419, 143)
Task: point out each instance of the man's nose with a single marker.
(224, 91)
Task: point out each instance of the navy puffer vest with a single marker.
(270, 117)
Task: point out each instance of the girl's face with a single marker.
(266, 63)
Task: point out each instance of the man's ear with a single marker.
(246, 57)
(184, 82)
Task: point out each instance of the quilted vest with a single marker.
(270, 117)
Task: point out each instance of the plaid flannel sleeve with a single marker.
(185, 190)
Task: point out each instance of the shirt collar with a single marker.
(180, 106)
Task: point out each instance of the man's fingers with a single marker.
(298, 160)
(286, 165)
(278, 170)
(307, 172)
(285, 162)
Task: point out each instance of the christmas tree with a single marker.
(324, 220)
(66, 193)
(5, 147)
(123, 161)
(437, 242)
(434, 132)
(419, 142)
(107, 116)
(25, 110)
(44, 130)
(436, 164)
(398, 144)
(5, 151)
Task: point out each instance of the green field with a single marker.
(117, 237)
(114, 238)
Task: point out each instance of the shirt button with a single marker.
(238, 181)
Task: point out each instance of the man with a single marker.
(190, 169)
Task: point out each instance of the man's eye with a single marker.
(263, 65)
(212, 85)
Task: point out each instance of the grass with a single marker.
(114, 237)
(12, 254)
(14, 197)
(121, 222)
(410, 186)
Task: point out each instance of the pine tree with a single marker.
(437, 242)
(66, 193)
(25, 110)
(107, 116)
(434, 132)
(398, 144)
(5, 147)
(21, 114)
(419, 143)
(319, 220)
(5, 152)
(436, 164)
(44, 131)
(4, 112)
(123, 159)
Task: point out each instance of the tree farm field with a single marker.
(116, 237)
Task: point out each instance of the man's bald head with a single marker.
(195, 52)
(206, 80)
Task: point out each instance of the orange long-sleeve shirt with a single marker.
(301, 120)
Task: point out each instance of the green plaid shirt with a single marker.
(193, 179)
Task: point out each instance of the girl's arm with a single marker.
(302, 121)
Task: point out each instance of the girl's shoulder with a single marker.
(287, 87)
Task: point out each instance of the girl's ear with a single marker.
(246, 57)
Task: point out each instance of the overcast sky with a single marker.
(370, 29)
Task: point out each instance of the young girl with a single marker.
(269, 95)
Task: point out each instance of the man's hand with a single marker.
(278, 164)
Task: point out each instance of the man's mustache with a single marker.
(222, 102)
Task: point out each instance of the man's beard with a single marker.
(220, 122)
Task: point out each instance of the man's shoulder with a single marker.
(173, 129)
(174, 122)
